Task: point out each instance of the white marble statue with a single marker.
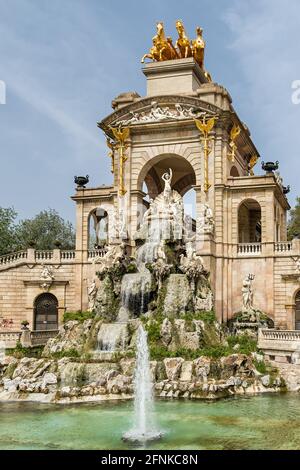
(113, 255)
(161, 251)
(206, 223)
(47, 273)
(122, 224)
(92, 293)
(190, 247)
(158, 113)
(247, 293)
(279, 179)
(167, 178)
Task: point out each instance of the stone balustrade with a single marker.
(67, 255)
(252, 249)
(13, 258)
(32, 256)
(282, 335)
(27, 338)
(283, 247)
(40, 338)
(43, 255)
(10, 338)
(97, 253)
(286, 248)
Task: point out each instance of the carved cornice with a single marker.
(226, 119)
(144, 105)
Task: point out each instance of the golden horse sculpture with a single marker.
(162, 48)
(183, 43)
(198, 47)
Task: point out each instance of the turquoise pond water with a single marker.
(259, 422)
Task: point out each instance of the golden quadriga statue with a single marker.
(163, 48)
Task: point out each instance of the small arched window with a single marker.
(234, 172)
(98, 228)
(249, 222)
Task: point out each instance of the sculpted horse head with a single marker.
(198, 46)
(183, 42)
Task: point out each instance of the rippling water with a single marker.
(260, 422)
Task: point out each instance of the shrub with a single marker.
(78, 316)
(65, 353)
(215, 352)
(153, 330)
(260, 366)
(131, 268)
(206, 316)
(19, 351)
(247, 343)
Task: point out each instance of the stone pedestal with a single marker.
(26, 339)
(173, 77)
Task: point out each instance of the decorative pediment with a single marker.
(157, 109)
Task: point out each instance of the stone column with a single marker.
(31, 255)
(80, 255)
(296, 246)
(56, 256)
(290, 316)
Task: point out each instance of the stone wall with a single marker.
(20, 285)
(66, 381)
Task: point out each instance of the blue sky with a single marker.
(64, 61)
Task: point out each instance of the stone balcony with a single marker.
(32, 256)
(280, 345)
(284, 248)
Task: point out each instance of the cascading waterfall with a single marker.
(112, 337)
(144, 428)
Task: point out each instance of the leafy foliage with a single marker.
(260, 366)
(19, 351)
(7, 230)
(65, 353)
(215, 352)
(78, 316)
(46, 230)
(206, 316)
(247, 345)
(294, 222)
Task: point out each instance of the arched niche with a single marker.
(97, 228)
(234, 172)
(249, 222)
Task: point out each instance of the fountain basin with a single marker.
(142, 438)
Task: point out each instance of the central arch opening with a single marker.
(184, 177)
(183, 181)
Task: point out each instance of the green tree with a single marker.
(7, 230)
(45, 230)
(294, 222)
